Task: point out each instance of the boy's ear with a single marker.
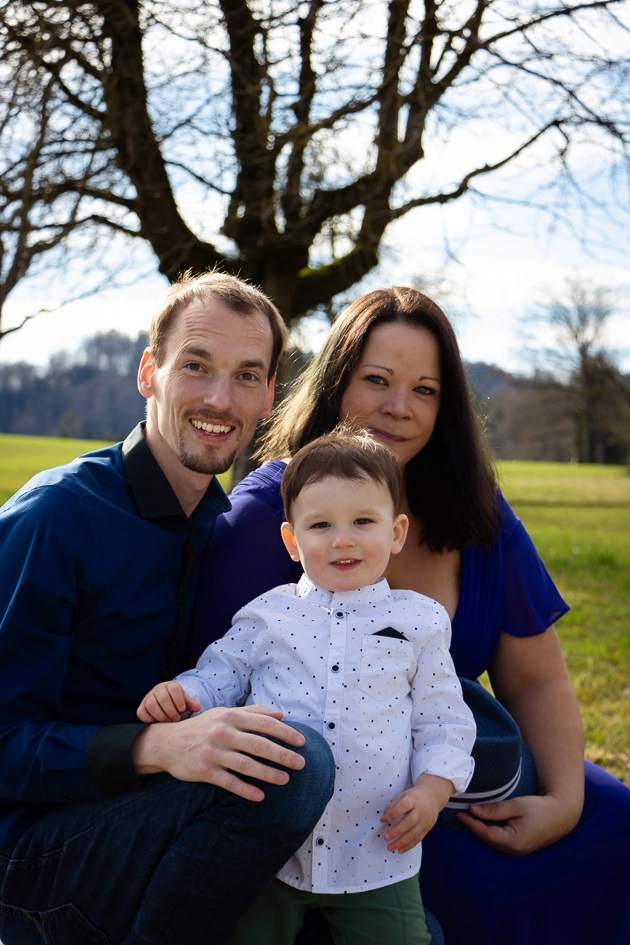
(401, 527)
(290, 543)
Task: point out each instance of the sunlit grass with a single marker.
(587, 551)
(565, 484)
(23, 456)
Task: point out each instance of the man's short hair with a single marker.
(235, 294)
(342, 454)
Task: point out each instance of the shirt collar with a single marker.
(369, 594)
(153, 493)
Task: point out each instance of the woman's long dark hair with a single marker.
(450, 484)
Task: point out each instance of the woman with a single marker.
(541, 869)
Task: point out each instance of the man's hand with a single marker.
(418, 808)
(216, 747)
(525, 823)
(167, 702)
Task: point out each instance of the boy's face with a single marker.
(343, 532)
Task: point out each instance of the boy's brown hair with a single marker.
(342, 454)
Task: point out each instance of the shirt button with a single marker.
(339, 615)
(320, 841)
(335, 668)
(331, 726)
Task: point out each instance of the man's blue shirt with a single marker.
(97, 582)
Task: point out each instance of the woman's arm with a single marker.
(530, 678)
(245, 556)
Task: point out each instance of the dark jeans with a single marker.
(175, 863)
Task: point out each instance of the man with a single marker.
(112, 831)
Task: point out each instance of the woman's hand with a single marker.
(524, 824)
(530, 679)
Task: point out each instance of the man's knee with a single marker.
(313, 785)
(319, 759)
(301, 801)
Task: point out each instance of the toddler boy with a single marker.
(366, 666)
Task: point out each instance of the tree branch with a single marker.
(291, 199)
(33, 46)
(562, 11)
(254, 191)
(101, 220)
(199, 177)
(464, 184)
(175, 245)
(317, 286)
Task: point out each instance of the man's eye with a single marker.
(249, 376)
(194, 367)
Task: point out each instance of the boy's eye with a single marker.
(363, 521)
(320, 525)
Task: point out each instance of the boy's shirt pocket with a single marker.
(385, 664)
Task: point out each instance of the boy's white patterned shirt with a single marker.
(389, 706)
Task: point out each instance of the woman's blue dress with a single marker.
(575, 892)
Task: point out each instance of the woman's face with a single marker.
(395, 391)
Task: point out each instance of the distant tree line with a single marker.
(538, 418)
(92, 394)
(577, 394)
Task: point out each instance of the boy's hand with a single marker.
(167, 702)
(418, 808)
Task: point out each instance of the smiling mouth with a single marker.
(215, 429)
(344, 564)
(388, 436)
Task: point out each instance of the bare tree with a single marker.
(577, 379)
(277, 138)
(52, 171)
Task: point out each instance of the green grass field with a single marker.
(23, 456)
(579, 519)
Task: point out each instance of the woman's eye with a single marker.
(376, 379)
(424, 390)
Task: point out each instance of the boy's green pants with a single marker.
(391, 915)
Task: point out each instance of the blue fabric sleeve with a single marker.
(531, 601)
(245, 556)
(41, 756)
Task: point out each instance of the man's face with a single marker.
(205, 399)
